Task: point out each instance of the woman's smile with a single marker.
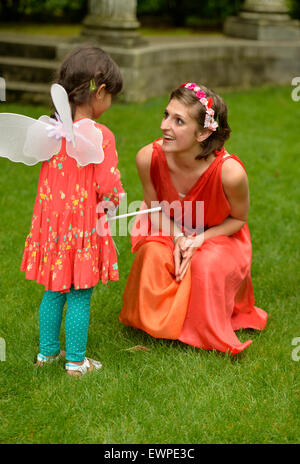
(168, 138)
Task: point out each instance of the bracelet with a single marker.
(181, 234)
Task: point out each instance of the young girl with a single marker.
(63, 250)
(193, 287)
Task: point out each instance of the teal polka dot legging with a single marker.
(76, 322)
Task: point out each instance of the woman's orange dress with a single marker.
(215, 297)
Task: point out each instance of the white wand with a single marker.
(143, 211)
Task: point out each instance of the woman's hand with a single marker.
(184, 250)
(177, 254)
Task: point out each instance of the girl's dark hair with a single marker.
(217, 138)
(81, 67)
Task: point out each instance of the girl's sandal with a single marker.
(41, 359)
(78, 370)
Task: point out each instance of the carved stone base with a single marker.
(262, 27)
(111, 32)
(223, 62)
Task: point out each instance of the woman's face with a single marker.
(180, 129)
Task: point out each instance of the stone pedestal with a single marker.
(219, 63)
(263, 20)
(112, 22)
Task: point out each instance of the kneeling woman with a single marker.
(193, 287)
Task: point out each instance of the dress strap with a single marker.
(236, 158)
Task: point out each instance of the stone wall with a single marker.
(28, 66)
(220, 62)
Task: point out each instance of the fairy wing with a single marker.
(84, 139)
(88, 143)
(29, 141)
(61, 102)
(25, 140)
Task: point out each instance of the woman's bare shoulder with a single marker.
(233, 173)
(144, 156)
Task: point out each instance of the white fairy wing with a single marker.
(88, 143)
(38, 145)
(25, 140)
(62, 105)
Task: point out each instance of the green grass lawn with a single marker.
(172, 393)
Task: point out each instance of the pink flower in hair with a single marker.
(200, 94)
(191, 86)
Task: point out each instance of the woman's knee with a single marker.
(152, 250)
(208, 262)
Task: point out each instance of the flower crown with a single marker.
(209, 122)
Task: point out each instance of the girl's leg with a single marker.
(50, 316)
(77, 323)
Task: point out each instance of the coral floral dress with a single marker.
(64, 246)
(215, 297)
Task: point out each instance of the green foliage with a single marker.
(179, 11)
(148, 6)
(175, 12)
(295, 8)
(69, 10)
(54, 6)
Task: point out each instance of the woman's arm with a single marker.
(235, 184)
(159, 220)
(143, 164)
(167, 225)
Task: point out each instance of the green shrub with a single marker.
(176, 12)
(46, 11)
(295, 8)
(179, 11)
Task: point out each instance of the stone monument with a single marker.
(113, 22)
(263, 20)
